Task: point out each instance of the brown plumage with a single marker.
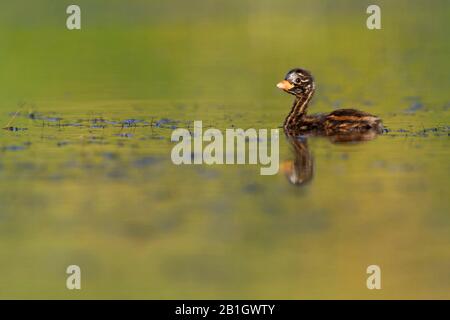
(300, 83)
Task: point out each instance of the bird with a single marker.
(300, 83)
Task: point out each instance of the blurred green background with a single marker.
(90, 182)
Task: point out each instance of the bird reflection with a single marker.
(300, 170)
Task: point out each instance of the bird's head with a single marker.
(297, 82)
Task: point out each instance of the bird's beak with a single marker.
(285, 85)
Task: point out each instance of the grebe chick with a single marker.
(300, 83)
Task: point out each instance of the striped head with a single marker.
(297, 82)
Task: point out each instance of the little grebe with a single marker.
(300, 83)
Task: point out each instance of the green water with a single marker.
(82, 185)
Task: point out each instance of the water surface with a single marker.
(90, 181)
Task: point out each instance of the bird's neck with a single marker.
(299, 108)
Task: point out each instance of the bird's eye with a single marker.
(297, 80)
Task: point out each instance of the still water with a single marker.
(88, 178)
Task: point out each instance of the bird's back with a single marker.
(351, 120)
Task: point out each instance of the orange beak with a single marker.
(285, 85)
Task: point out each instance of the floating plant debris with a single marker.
(13, 148)
(124, 135)
(166, 123)
(15, 129)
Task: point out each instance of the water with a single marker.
(90, 181)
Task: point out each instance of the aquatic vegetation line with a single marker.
(93, 123)
(9, 126)
(10, 122)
